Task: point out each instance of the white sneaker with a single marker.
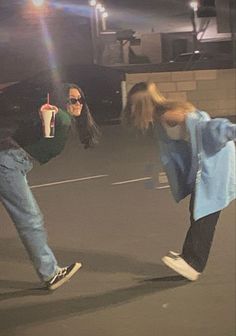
(179, 265)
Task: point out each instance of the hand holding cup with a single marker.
(47, 114)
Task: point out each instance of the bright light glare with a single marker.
(194, 5)
(99, 6)
(105, 14)
(51, 52)
(93, 3)
(102, 9)
(38, 3)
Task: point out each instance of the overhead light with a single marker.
(194, 5)
(105, 14)
(98, 6)
(38, 3)
(93, 3)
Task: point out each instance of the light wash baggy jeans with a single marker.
(22, 207)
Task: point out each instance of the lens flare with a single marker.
(51, 52)
(80, 10)
(38, 3)
(83, 11)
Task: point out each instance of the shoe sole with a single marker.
(172, 253)
(171, 263)
(66, 278)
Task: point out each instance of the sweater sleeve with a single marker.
(7, 127)
(47, 148)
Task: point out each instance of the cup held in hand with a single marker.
(48, 113)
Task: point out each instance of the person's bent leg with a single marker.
(198, 241)
(196, 248)
(24, 211)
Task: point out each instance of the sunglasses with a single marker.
(73, 101)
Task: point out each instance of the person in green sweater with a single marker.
(21, 140)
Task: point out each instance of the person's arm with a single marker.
(216, 133)
(7, 127)
(47, 148)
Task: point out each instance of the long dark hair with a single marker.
(88, 130)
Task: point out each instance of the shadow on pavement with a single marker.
(16, 284)
(172, 278)
(26, 292)
(93, 261)
(35, 313)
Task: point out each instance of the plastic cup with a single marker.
(48, 113)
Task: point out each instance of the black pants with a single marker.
(199, 239)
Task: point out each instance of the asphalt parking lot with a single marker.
(111, 209)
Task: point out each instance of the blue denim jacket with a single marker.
(205, 164)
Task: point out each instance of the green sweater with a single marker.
(44, 149)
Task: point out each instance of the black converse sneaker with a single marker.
(63, 274)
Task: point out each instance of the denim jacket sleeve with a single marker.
(216, 133)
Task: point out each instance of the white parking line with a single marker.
(164, 187)
(95, 177)
(67, 181)
(131, 181)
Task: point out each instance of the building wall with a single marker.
(213, 91)
(151, 47)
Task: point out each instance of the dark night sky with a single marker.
(147, 4)
(21, 39)
(162, 15)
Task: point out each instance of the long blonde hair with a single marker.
(146, 105)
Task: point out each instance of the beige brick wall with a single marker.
(213, 91)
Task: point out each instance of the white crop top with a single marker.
(177, 132)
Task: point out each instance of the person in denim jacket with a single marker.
(19, 141)
(198, 156)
